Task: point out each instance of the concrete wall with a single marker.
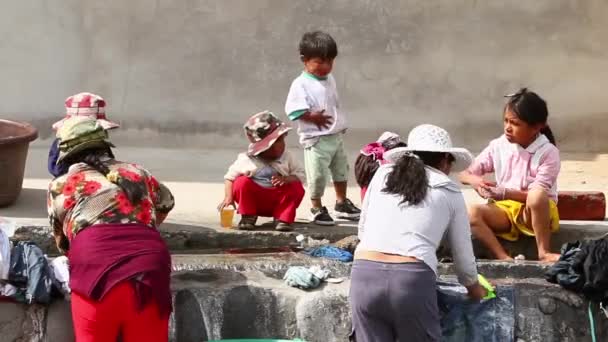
(185, 72)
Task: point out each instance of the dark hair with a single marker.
(366, 166)
(318, 44)
(408, 178)
(96, 159)
(531, 109)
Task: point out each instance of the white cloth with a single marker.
(319, 272)
(8, 226)
(309, 93)
(7, 290)
(416, 231)
(5, 255)
(387, 136)
(61, 272)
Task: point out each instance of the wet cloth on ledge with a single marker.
(330, 252)
(305, 278)
(464, 320)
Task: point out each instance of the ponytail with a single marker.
(365, 168)
(408, 178)
(370, 159)
(549, 134)
(135, 192)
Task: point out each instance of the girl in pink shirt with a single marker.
(526, 163)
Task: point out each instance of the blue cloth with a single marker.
(301, 277)
(486, 321)
(330, 252)
(56, 169)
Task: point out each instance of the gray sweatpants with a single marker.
(394, 302)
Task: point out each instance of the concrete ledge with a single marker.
(272, 265)
(206, 239)
(569, 231)
(213, 239)
(244, 297)
(35, 323)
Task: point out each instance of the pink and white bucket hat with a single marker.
(88, 105)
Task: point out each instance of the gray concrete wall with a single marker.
(186, 72)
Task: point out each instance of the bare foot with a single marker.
(549, 257)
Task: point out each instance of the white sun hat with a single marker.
(387, 136)
(431, 138)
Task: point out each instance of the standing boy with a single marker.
(313, 102)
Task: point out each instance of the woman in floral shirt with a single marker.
(104, 215)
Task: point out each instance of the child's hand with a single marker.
(480, 185)
(278, 180)
(497, 193)
(228, 201)
(320, 120)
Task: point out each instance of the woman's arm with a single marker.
(164, 204)
(62, 242)
(459, 237)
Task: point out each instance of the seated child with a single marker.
(526, 163)
(371, 157)
(82, 104)
(267, 180)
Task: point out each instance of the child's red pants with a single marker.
(280, 203)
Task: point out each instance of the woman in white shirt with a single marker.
(410, 205)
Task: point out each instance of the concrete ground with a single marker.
(195, 177)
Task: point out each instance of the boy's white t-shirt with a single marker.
(308, 92)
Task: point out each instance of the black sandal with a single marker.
(247, 222)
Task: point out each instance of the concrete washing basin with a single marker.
(15, 138)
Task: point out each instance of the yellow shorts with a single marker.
(514, 211)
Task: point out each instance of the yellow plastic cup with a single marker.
(226, 217)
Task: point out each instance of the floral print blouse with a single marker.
(84, 197)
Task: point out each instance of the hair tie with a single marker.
(375, 150)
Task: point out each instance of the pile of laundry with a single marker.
(308, 278)
(583, 268)
(29, 276)
(312, 277)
